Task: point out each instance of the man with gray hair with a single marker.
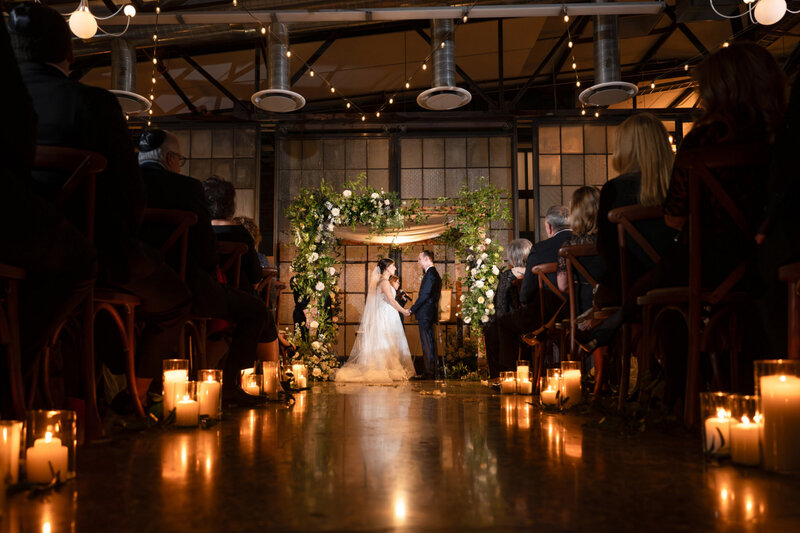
(556, 224)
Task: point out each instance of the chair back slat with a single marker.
(572, 254)
(232, 264)
(625, 219)
(180, 222)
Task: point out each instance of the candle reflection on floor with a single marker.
(738, 497)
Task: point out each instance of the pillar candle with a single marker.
(297, 371)
(9, 450)
(745, 447)
(45, 452)
(525, 387)
(571, 387)
(301, 382)
(718, 433)
(208, 392)
(780, 406)
(186, 412)
(173, 388)
(522, 370)
(508, 386)
(549, 397)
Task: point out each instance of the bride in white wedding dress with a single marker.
(380, 353)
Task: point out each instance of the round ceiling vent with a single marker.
(278, 100)
(609, 93)
(444, 98)
(131, 103)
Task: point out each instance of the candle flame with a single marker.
(48, 437)
(757, 418)
(186, 398)
(210, 379)
(722, 413)
(745, 420)
(783, 379)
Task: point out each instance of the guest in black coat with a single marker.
(643, 157)
(221, 199)
(426, 311)
(75, 115)
(502, 342)
(160, 159)
(60, 264)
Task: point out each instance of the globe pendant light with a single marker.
(82, 22)
(768, 12)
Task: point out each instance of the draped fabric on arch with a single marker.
(435, 226)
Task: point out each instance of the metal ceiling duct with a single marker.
(277, 97)
(123, 78)
(443, 94)
(607, 88)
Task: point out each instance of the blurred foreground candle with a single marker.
(300, 373)
(570, 383)
(549, 387)
(50, 440)
(209, 388)
(272, 383)
(508, 382)
(187, 410)
(524, 385)
(251, 383)
(779, 387)
(715, 410)
(176, 373)
(522, 368)
(10, 439)
(746, 430)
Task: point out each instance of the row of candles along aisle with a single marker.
(561, 387)
(757, 430)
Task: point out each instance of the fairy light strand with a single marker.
(154, 78)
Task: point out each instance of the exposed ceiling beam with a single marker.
(212, 80)
(653, 50)
(314, 57)
(686, 31)
(175, 87)
(684, 94)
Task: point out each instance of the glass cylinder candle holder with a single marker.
(745, 430)
(300, 376)
(508, 382)
(209, 392)
(778, 386)
(251, 382)
(271, 384)
(10, 446)
(176, 373)
(187, 408)
(524, 383)
(715, 412)
(50, 443)
(570, 383)
(523, 367)
(549, 388)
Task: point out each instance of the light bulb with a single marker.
(311, 73)
(441, 45)
(391, 100)
(263, 30)
(288, 53)
(149, 123)
(424, 66)
(348, 105)
(566, 18)
(583, 112)
(152, 97)
(235, 3)
(129, 11)
(578, 83)
(82, 22)
(154, 80)
(158, 10)
(408, 85)
(149, 111)
(686, 67)
(155, 61)
(363, 118)
(155, 37)
(574, 66)
(333, 90)
(378, 114)
(570, 44)
(653, 85)
(726, 44)
(596, 114)
(127, 117)
(465, 18)
(768, 12)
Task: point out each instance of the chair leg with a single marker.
(690, 414)
(94, 425)
(14, 355)
(600, 358)
(625, 366)
(130, 360)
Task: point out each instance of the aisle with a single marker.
(356, 457)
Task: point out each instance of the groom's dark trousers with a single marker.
(426, 311)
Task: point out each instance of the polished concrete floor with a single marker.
(363, 458)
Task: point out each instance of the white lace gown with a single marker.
(380, 353)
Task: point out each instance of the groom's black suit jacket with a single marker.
(426, 308)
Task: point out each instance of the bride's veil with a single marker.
(369, 324)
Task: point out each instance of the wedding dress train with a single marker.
(380, 353)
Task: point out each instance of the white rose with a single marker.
(386, 202)
(495, 270)
(315, 345)
(332, 271)
(316, 239)
(481, 299)
(485, 319)
(467, 320)
(316, 372)
(314, 325)
(347, 193)
(319, 286)
(331, 226)
(375, 195)
(463, 297)
(479, 263)
(335, 211)
(490, 293)
(314, 256)
(491, 306)
(329, 205)
(479, 283)
(484, 257)
(488, 241)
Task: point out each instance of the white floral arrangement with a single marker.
(483, 266)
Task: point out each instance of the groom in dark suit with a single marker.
(426, 311)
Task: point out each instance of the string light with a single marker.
(408, 85)
(424, 66)
(653, 85)
(571, 47)
(391, 101)
(583, 112)
(686, 67)
(311, 73)
(570, 44)
(288, 53)
(442, 45)
(333, 90)
(235, 3)
(363, 118)
(378, 114)
(465, 18)
(263, 30)
(596, 114)
(153, 78)
(726, 44)
(566, 18)
(348, 105)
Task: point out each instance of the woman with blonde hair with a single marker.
(583, 222)
(643, 157)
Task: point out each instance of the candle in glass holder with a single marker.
(508, 382)
(522, 368)
(745, 445)
(300, 379)
(10, 438)
(570, 383)
(187, 412)
(780, 405)
(548, 392)
(251, 382)
(173, 388)
(271, 379)
(45, 458)
(524, 385)
(718, 433)
(208, 392)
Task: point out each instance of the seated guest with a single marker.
(252, 228)
(60, 264)
(506, 297)
(643, 157)
(221, 199)
(556, 224)
(583, 223)
(159, 157)
(79, 116)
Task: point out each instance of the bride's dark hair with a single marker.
(384, 263)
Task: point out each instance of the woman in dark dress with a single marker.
(643, 157)
(583, 223)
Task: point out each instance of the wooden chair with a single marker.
(548, 331)
(626, 218)
(10, 277)
(264, 287)
(791, 275)
(81, 168)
